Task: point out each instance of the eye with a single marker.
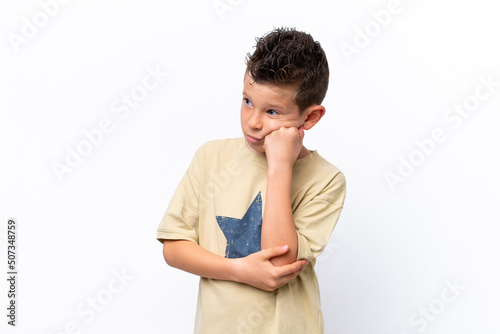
(247, 102)
(272, 112)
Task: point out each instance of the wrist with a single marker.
(277, 168)
(235, 270)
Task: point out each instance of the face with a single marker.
(266, 108)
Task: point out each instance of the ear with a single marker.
(314, 114)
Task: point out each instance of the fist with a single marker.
(282, 147)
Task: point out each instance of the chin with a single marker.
(255, 148)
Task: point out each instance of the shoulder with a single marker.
(212, 151)
(334, 172)
(331, 171)
(218, 144)
(322, 178)
(315, 164)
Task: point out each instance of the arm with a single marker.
(282, 148)
(255, 269)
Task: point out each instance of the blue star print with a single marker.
(243, 235)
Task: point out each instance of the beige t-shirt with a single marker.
(219, 205)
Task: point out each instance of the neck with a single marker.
(304, 152)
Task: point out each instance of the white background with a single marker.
(395, 251)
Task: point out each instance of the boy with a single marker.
(251, 214)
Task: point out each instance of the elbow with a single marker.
(169, 253)
(284, 259)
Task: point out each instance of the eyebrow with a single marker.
(276, 106)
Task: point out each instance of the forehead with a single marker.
(269, 94)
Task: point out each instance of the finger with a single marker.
(301, 132)
(273, 251)
(267, 139)
(291, 268)
(287, 278)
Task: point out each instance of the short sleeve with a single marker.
(181, 218)
(315, 220)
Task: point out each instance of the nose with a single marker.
(255, 121)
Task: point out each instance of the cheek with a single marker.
(242, 116)
(273, 125)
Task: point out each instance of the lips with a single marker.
(253, 140)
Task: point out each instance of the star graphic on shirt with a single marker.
(243, 235)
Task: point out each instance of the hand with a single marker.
(257, 270)
(283, 146)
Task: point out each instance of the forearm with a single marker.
(191, 257)
(278, 227)
(255, 269)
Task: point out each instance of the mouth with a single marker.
(253, 140)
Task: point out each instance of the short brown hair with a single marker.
(287, 57)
